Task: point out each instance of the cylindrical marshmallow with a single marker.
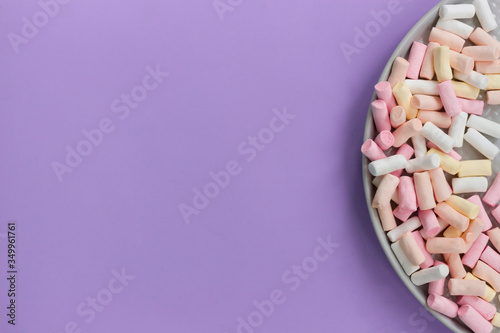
(406, 227)
(423, 163)
(387, 165)
(411, 249)
(461, 62)
(451, 216)
(386, 217)
(454, 42)
(471, 106)
(485, 309)
(458, 287)
(408, 198)
(469, 184)
(463, 206)
(402, 214)
(423, 189)
(442, 225)
(440, 186)
(429, 260)
(475, 79)
(437, 287)
(381, 116)
(470, 235)
(423, 87)
(489, 294)
(440, 119)
(399, 70)
(474, 320)
(488, 67)
(384, 93)
(447, 163)
(494, 235)
(429, 222)
(403, 260)
(406, 131)
(372, 151)
(461, 11)
(471, 257)
(488, 274)
(419, 144)
(452, 232)
(456, 27)
(457, 129)
(496, 320)
(492, 196)
(482, 52)
(493, 82)
(397, 116)
(484, 125)
(433, 133)
(483, 216)
(427, 70)
(426, 102)
(415, 59)
(493, 97)
(482, 145)
(445, 245)
(442, 65)
(403, 97)
(481, 37)
(449, 98)
(429, 274)
(491, 258)
(384, 140)
(376, 182)
(475, 168)
(457, 270)
(406, 151)
(385, 191)
(465, 90)
(485, 15)
(442, 305)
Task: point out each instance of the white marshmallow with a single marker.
(422, 87)
(430, 274)
(419, 145)
(485, 15)
(474, 78)
(483, 145)
(469, 184)
(408, 226)
(456, 27)
(462, 11)
(484, 126)
(457, 129)
(387, 165)
(434, 134)
(403, 260)
(423, 163)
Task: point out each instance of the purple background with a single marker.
(119, 208)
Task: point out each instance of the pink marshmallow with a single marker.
(491, 258)
(442, 305)
(485, 309)
(384, 93)
(381, 116)
(471, 257)
(449, 98)
(437, 287)
(492, 196)
(475, 199)
(384, 140)
(372, 151)
(472, 106)
(402, 214)
(496, 214)
(474, 320)
(408, 198)
(429, 261)
(429, 222)
(416, 58)
(494, 235)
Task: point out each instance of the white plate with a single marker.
(420, 32)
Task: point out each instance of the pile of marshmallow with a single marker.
(428, 106)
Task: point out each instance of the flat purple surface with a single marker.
(295, 182)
